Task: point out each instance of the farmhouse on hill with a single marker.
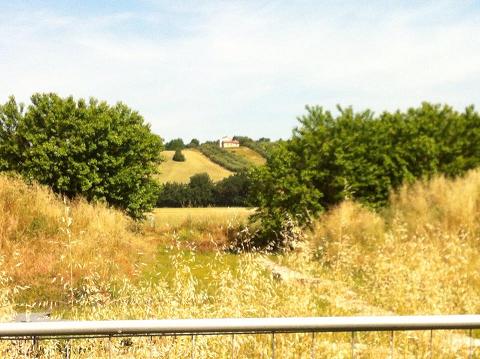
(228, 142)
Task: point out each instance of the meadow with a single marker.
(195, 162)
(419, 255)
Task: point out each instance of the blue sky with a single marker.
(211, 68)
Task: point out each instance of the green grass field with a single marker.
(250, 155)
(196, 162)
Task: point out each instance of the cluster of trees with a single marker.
(178, 144)
(201, 191)
(80, 147)
(362, 156)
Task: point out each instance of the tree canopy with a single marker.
(362, 156)
(83, 148)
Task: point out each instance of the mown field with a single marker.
(418, 256)
(195, 162)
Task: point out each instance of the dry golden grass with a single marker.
(175, 217)
(195, 162)
(49, 244)
(249, 154)
(206, 229)
(418, 257)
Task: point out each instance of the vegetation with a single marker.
(359, 156)
(224, 158)
(423, 248)
(261, 146)
(202, 192)
(194, 143)
(178, 156)
(195, 162)
(253, 157)
(175, 144)
(101, 152)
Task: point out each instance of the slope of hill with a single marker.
(195, 162)
(250, 155)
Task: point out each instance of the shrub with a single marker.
(101, 152)
(178, 156)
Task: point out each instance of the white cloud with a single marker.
(243, 68)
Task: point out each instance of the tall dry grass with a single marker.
(420, 256)
(48, 244)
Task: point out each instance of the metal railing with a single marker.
(36, 331)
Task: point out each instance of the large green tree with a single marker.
(83, 148)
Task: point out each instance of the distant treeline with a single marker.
(201, 191)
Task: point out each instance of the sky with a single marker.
(206, 69)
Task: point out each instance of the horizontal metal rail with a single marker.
(114, 328)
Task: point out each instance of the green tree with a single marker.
(83, 148)
(175, 144)
(361, 156)
(178, 156)
(194, 143)
(233, 190)
(201, 190)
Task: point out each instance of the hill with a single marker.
(250, 155)
(195, 162)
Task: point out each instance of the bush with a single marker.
(101, 152)
(178, 156)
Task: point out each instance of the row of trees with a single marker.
(362, 156)
(201, 191)
(79, 147)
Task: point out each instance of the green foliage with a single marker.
(360, 156)
(91, 149)
(175, 144)
(202, 192)
(174, 195)
(178, 156)
(226, 159)
(194, 143)
(11, 115)
(262, 146)
(233, 190)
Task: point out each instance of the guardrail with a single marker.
(36, 331)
